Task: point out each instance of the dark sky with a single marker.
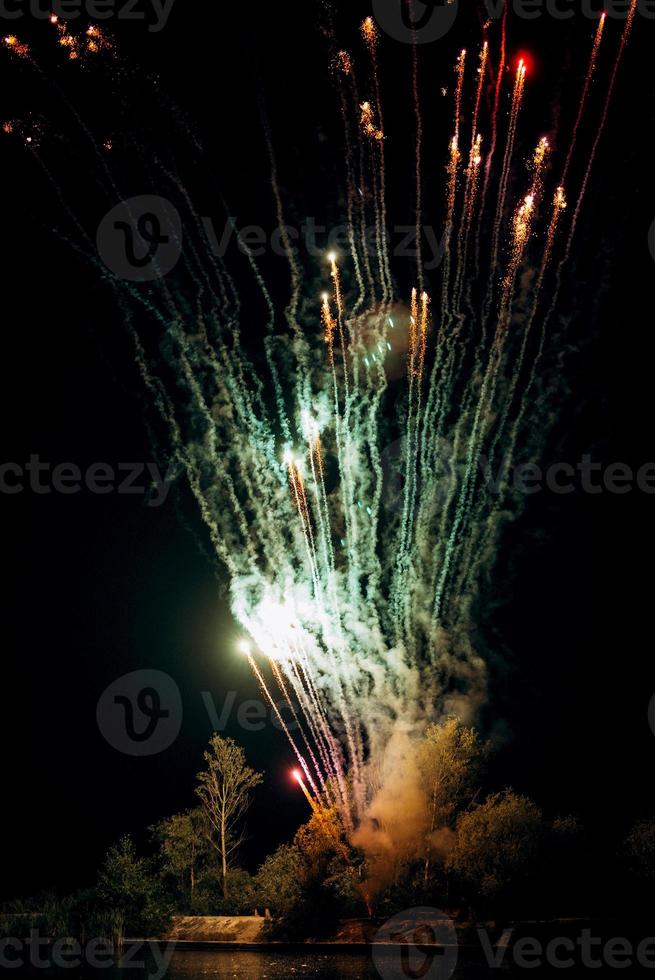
(97, 586)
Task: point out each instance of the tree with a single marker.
(279, 879)
(183, 846)
(322, 838)
(224, 791)
(450, 760)
(130, 891)
(242, 896)
(312, 882)
(498, 845)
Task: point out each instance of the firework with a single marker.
(353, 571)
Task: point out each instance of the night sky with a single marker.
(97, 586)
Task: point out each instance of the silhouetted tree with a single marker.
(224, 790)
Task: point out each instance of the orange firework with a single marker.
(298, 487)
(560, 199)
(418, 333)
(517, 100)
(423, 332)
(460, 67)
(15, 46)
(368, 125)
(370, 33)
(482, 69)
(344, 62)
(334, 273)
(540, 155)
(538, 164)
(316, 451)
(329, 324)
(521, 225)
(413, 331)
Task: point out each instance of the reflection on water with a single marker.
(243, 965)
(226, 965)
(267, 966)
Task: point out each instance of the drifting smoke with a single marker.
(397, 819)
(363, 613)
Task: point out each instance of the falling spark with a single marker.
(356, 605)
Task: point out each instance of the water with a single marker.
(227, 965)
(267, 966)
(243, 965)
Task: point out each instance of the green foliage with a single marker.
(499, 856)
(46, 912)
(498, 846)
(82, 916)
(184, 851)
(451, 760)
(279, 880)
(128, 887)
(313, 882)
(242, 898)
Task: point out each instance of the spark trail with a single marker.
(354, 571)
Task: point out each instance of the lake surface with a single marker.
(244, 965)
(277, 966)
(226, 965)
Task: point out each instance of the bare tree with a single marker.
(224, 790)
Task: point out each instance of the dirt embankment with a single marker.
(219, 929)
